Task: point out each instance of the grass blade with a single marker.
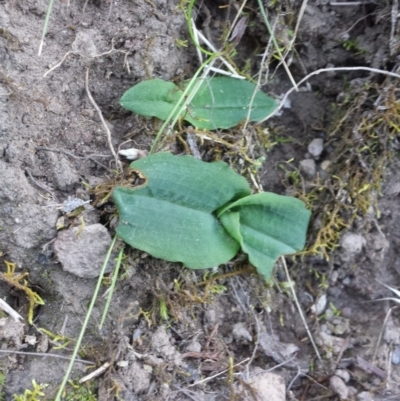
(85, 323)
(46, 23)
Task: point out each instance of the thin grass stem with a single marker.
(112, 287)
(46, 23)
(85, 323)
(190, 29)
(278, 50)
(296, 301)
(182, 103)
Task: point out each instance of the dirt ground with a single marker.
(171, 333)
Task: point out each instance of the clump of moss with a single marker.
(36, 394)
(364, 135)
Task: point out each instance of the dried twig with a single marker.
(216, 375)
(108, 132)
(91, 157)
(392, 41)
(291, 285)
(43, 354)
(40, 185)
(13, 313)
(289, 92)
(58, 64)
(95, 373)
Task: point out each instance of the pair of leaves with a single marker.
(201, 214)
(220, 102)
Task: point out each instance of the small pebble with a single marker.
(343, 374)
(338, 386)
(31, 340)
(240, 332)
(396, 355)
(316, 147)
(325, 165)
(210, 316)
(347, 312)
(320, 305)
(364, 396)
(194, 346)
(308, 168)
(353, 243)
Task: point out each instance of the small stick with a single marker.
(275, 43)
(191, 140)
(343, 348)
(296, 29)
(217, 374)
(39, 185)
(72, 52)
(70, 154)
(43, 354)
(289, 92)
(347, 3)
(64, 325)
(95, 373)
(110, 145)
(58, 64)
(13, 313)
(253, 354)
(234, 74)
(392, 42)
(369, 368)
(378, 342)
(291, 285)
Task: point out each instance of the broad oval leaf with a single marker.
(220, 102)
(171, 217)
(152, 98)
(267, 226)
(223, 102)
(172, 232)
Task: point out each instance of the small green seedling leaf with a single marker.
(152, 98)
(171, 217)
(220, 102)
(267, 226)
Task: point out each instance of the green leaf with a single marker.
(220, 102)
(153, 98)
(171, 217)
(223, 102)
(267, 226)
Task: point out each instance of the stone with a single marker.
(210, 316)
(364, 396)
(11, 331)
(64, 175)
(240, 332)
(82, 251)
(338, 386)
(332, 344)
(265, 386)
(84, 44)
(315, 147)
(353, 243)
(194, 346)
(343, 374)
(140, 378)
(161, 344)
(320, 304)
(308, 168)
